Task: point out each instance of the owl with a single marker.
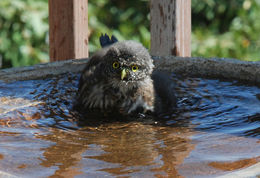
(120, 78)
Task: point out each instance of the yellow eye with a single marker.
(134, 68)
(115, 65)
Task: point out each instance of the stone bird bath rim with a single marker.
(231, 69)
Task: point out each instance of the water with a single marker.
(215, 131)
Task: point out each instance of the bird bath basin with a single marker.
(215, 131)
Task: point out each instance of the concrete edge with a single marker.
(190, 66)
(42, 70)
(212, 68)
(6, 175)
(252, 171)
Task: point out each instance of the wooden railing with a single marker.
(170, 28)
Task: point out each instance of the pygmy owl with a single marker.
(119, 78)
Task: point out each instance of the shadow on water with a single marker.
(215, 130)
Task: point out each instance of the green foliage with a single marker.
(23, 32)
(220, 28)
(124, 19)
(231, 30)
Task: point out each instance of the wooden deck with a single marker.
(170, 28)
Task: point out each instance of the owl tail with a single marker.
(106, 41)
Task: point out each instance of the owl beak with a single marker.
(123, 74)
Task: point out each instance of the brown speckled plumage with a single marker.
(103, 89)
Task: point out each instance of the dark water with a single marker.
(215, 131)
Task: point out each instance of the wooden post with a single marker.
(68, 20)
(171, 27)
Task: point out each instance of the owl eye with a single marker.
(134, 68)
(115, 65)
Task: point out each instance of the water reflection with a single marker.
(214, 130)
(119, 149)
(65, 153)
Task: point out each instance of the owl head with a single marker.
(127, 62)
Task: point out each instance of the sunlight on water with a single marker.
(215, 131)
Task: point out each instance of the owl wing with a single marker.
(165, 92)
(89, 71)
(89, 78)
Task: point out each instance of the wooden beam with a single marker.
(68, 20)
(171, 27)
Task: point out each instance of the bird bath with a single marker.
(214, 132)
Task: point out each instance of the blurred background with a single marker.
(220, 28)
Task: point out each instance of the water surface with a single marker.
(215, 131)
